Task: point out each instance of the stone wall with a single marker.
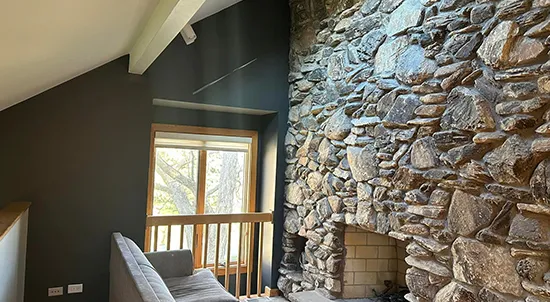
(426, 120)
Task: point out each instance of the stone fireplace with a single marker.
(374, 264)
(427, 122)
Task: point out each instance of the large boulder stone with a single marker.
(419, 283)
(525, 227)
(408, 14)
(467, 110)
(495, 49)
(371, 41)
(338, 126)
(468, 213)
(385, 60)
(456, 292)
(366, 216)
(402, 111)
(363, 162)
(327, 153)
(336, 66)
(292, 222)
(540, 182)
(314, 181)
(486, 265)
(526, 50)
(294, 194)
(413, 67)
(407, 179)
(423, 154)
(512, 162)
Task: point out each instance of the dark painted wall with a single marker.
(254, 32)
(251, 30)
(79, 152)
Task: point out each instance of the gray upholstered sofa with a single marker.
(159, 276)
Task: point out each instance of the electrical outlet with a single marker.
(55, 291)
(75, 288)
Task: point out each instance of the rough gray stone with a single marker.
(526, 50)
(519, 90)
(388, 53)
(527, 228)
(468, 213)
(486, 265)
(371, 41)
(419, 284)
(512, 162)
(456, 292)
(540, 182)
(539, 30)
(294, 194)
(528, 106)
(369, 7)
(338, 126)
(363, 162)
(336, 65)
(408, 14)
(482, 12)
(495, 48)
(388, 6)
(292, 222)
(518, 122)
(413, 67)
(467, 110)
(407, 179)
(431, 266)
(423, 154)
(327, 153)
(544, 84)
(402, 111)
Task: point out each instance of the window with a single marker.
(198, 170)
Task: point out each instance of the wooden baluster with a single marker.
(205, 260)
(260, 252)
(217, 253)
(182, 236)
(194, 243)
(250, 263)
(238, 273)
(228, 258)
(155, 245)
(169, 237)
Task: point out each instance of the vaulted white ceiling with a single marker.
(45, 43)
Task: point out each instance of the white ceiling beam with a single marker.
(167, 21)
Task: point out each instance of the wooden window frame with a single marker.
(252, 163)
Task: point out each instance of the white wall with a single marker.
(13, 249)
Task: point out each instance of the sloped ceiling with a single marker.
(45, 43)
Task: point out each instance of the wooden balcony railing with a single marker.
(161, 231)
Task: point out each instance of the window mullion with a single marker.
(201, 200)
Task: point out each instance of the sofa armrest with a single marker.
(171, 264)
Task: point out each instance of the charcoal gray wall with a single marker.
(79, 152)
(254, 32)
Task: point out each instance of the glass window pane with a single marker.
(225, 182)
(176, 181)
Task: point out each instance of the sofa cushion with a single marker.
(149, 272)
(201, 286)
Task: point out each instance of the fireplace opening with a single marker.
(374, 266)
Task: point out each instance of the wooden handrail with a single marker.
(247, 222)
(207, 219)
